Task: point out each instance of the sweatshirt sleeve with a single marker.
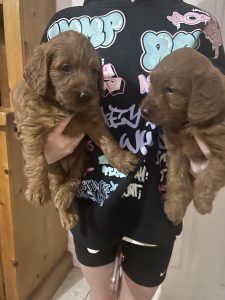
(211, 44)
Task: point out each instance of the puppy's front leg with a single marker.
(179, 186)
(37, 190)
(123, 160)
(68, 218)
(56, 176)
(75, 165)
(65, 194)
(207, 184)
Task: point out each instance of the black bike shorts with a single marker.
(145, 265)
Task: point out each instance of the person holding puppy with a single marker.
(117, 210)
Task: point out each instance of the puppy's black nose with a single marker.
(85, 96)
(145, 112)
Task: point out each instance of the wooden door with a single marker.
(33, 246)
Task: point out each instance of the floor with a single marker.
(74, 287)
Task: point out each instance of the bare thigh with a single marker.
(130, 290)
(98, 279)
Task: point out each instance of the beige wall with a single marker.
(60, 4)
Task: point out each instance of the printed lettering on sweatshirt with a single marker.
(96, 191)
(196, 16)
(140, 140)
(189, 18)
(100, 30)
(157, 45)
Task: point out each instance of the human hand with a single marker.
(59, 145)
(196, 168)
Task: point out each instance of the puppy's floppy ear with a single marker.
(101, 83)
(207, 100)
(100, 79)
(36, 71)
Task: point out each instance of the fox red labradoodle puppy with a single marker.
(63, 77)
(187, 98)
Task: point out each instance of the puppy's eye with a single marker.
(169, 90)
(66, 68)
(94, 71)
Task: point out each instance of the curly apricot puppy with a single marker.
(63, 77)
(187, 98)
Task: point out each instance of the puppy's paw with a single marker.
(65, 195)
(38, 195)
(202, 205)
(68, 219)
(125, 161)
(175, 212)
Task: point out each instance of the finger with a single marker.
(203, 147)
(196, 168)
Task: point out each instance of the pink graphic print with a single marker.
(190, 18)
(213, 34)
(114, 85)
(144, 83)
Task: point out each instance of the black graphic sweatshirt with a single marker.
(132, 38)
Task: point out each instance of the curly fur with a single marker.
(187, 99)
(63, 76)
